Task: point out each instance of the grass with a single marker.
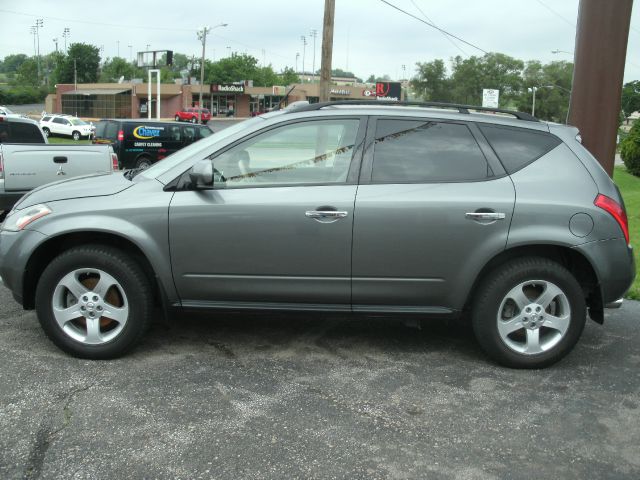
(630, 188)
(67, 141)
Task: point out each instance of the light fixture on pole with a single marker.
(202, 36)
(304, 49)
(66, 33)
(55, 40)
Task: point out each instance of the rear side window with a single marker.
(410, 151)
(518, 147)
(18, 132)
(46, 119)
(107, 130)
(204, 132)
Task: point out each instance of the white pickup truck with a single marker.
(28, 161)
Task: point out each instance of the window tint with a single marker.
(46, 119)
(307, 152)
(111, 131)
(422, 152)
(19, 132)
(517, 147)
(189, 134)
(204, 132)
(60, 120)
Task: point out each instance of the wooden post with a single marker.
(601, 50)
(327, 49)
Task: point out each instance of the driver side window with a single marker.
(313, 152)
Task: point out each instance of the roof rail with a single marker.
(461, 108)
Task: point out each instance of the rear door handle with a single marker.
(491, 216)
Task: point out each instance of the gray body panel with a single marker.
(413, 244)
(256, 244)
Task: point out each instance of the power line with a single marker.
(445, 36)
(434, 26)
(564, 19)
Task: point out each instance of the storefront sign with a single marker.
(227, 88)
(339, 91)
(368, 93)
(388, 91)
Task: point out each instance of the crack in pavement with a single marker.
(44, 436)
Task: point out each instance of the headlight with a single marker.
(18, 220)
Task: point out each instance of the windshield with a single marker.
(181, 155)
(77, 121)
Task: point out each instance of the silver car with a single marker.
(433, 210)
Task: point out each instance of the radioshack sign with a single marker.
(388, 91)
(227, 88)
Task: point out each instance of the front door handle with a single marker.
(487, 216)
(326, 214)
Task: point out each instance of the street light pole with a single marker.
(314, 34)
(202, 36)
(66, 33)
(304, 49)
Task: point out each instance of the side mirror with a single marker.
(201, 175)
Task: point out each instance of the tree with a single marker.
(238, 67)
(289, 76)
(493, 70)
(630, 150)
(27, 73)
(11, 63)
(553, 89)
(115, 68)
(431, 82)
(630, 98)
(87, 59)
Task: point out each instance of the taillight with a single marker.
(614, 209)
(1, 166)
(120, 135)
(114, 162)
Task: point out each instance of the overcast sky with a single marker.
(370, 37)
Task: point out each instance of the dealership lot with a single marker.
(248, 396)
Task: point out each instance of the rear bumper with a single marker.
(614, 265)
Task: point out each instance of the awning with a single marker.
(98, 91)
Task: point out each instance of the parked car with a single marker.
(6, 112)
(66, 126)
(193, 115)
(336, 207)
(140, 143)
(27, 162)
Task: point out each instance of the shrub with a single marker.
(630, 150)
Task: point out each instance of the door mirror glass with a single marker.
(201, 175)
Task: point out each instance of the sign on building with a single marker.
(388, 91)
(490, 97)
(227, 88)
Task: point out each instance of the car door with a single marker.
(434, 205)
(276, 229)
(59, 126)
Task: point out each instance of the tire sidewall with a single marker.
(124, 272)
(485, 312)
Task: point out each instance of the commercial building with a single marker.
(130, 100)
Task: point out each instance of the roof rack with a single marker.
(461, 108)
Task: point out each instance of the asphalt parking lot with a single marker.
(248, 396)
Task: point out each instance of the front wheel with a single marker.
(529, 313)
(76, 136)
(94, 302)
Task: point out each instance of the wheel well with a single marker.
(574, 261)
(46, 252)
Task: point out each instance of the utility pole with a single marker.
(327, 49)
(39, 24)
(314, 34)
(202, 36)
(66, 33)
(601, 47)
(304, 49)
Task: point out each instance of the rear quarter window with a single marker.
(18, 132)
(518, 147)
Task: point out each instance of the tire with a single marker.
(194, 120)
(76, 136)
(46, 132)
(122, 290)
(177, 118)
(520, 298)
(143, 163)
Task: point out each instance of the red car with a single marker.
(191, 115)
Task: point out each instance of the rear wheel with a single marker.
(143, 163)
(76, 135)
(94, 302)
(529, 313)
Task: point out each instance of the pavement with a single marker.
(225, 396)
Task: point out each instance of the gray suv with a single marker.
(432, 210)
